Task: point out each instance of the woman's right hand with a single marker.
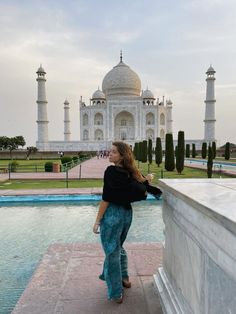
(149, 177)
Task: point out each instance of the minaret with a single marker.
(66, 121)
(42, 107)
(169, 116)
(209, 133)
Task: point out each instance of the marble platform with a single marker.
(198, 274)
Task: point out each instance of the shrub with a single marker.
(204, 150)
(169, 155)
(75, 158)
(209, 162)
(149, 151)
(187, 151)
(84, 155)
(227, 151)
(139, 156)
(158, 151)
(66, 159)
(180, 152)
(193, 150)
(213, 147)
(13, 165)
(144, 151)
(48, 167)
(135, 151)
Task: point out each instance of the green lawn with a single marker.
(28, 165)
(24, 162)
(50, 184)
(89, 183)
(186, 174)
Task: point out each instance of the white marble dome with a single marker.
(122, 81)
(147, 94)
(98, 94)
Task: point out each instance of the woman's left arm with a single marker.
(102, 208)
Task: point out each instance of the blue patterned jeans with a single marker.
(114, 227)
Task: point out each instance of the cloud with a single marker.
(169, 44)
(226, 86)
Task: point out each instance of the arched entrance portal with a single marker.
(124, 126)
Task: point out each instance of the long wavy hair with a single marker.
(127, 160)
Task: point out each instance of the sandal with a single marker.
(126, 283)
(119, 300)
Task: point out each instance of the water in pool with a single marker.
(26, 231)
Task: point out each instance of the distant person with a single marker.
(123, 184)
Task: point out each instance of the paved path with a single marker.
(66, 282)
(92, 168)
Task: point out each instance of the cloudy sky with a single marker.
(170, 44)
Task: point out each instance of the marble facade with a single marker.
(199, 262)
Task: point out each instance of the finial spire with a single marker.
(121, 56)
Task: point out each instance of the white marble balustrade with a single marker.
(199, 264)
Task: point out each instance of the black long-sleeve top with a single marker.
(120, 188)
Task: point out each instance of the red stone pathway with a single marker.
(90, 169)
(66, 282)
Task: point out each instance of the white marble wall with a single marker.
(199, 265)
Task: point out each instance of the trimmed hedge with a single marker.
(66, 159)
(48, 167)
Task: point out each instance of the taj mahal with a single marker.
(120, 111)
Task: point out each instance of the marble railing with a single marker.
(199, 260)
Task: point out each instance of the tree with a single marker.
(19, 140)
(158, 152)
(180, 152)
(3, 142)
(149, 153)
(31, 150)
(227, 151)
(169, 155)
(14, 142)
(209, 162)
(11, 143)
(144, 151)
(135, 151)
(204, 150)
(176, 148)
(193, 150)
(187, 150)
(213, 149)
(139, 152)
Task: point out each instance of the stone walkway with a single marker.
(66, 282)
(90, 169)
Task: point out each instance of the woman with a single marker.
(123, 184)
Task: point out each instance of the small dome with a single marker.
(210, 70)
(121, 80)
(98, 94)
(147, 94)
(66, 102)
(169, 102)
(41, 70)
